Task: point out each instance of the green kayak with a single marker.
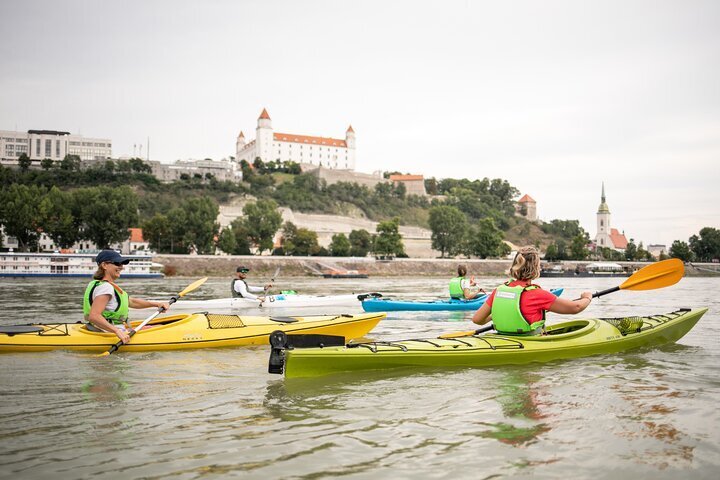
(576, 338)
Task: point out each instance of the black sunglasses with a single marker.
(117, 264)
(244, 271)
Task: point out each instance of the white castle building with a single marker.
(268, 145)
(52, 144)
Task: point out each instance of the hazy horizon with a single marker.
(555, 97)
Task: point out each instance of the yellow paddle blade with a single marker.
(656, 275)
(192, 287)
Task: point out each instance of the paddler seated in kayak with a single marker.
(105, 304)
(518, 307)
(240, 288)
(462, 288)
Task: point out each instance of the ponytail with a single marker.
(526, 265)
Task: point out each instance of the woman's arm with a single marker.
(482, 316)
(560, 305)
(95, 317)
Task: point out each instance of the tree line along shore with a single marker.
(266, 266)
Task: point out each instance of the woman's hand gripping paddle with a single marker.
(160, 310)
(656, 275)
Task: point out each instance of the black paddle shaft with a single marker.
(601, 293)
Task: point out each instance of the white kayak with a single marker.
(275, 303)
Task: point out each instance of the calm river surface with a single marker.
(218, 413)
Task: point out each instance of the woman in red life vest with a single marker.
(518, 307)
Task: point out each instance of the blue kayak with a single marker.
(386, 305)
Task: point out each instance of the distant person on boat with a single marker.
(105, 304)
(240, 288)
(463, 288)
(518, 307)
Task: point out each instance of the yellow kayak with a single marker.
(197, 330)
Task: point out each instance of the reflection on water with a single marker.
(518, 396)
(648, 413)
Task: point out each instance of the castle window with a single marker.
(602, 223)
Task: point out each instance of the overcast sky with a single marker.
(554, 96)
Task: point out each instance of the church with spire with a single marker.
(607, 236)
(269, 145)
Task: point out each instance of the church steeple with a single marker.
(603, 208)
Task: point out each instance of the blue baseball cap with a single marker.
(110, 256)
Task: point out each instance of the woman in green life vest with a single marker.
(462, 288)
(105, 304)
(518, 307)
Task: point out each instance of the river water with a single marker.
(218, 413)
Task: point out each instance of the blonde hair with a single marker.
(99, 273)
(526, 265)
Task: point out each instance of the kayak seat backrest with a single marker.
(224, 321)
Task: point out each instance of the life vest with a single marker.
(232, 287)
(456, 290)
(117, 316)
(506, 315)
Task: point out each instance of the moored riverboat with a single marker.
(20, 264)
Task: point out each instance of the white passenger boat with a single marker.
(19, 264)
(285, 302)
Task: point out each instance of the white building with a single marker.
(271, 146)
(52, 144)
(607, 236)
(220, 169)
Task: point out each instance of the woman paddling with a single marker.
(462, 288)
(518, 307)
(105, 304)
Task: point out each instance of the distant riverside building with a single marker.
(607, 236)
(320, 151)
(135, 242)
(414, 184)
(527, 207)
(52, 144)
(656, 250)
(220, 169)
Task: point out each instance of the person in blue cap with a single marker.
(105, 304)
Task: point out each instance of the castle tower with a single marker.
(602, 239)
(264, 137)
(239, 144)
(350, 137)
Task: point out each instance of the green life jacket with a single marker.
(116, 317)
(456, 290)
(232, 287)
(506, 315)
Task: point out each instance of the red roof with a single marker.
(264, 115)
(618, 239)
(350, 129)
(526, 199)
(242, 135)
(291, 137)
(405, 178)
(136, 235)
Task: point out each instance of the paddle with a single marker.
(265, 290)
(656, 275)
(174, 299)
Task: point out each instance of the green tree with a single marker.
(24, 162)
(107, 214)
(449, 227)
(681, 250)
(70, 163)
(486, 240)
(706, 245)
(299, 241)
(63, 219)
(201, 227)
(157, 231)
(631, 252)
(551, 253)
(47, 164)
(340, 246)
(361, 243)
(578, 247)
(226, 241)
(23, 210)
(262, 221)
(388, 240)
